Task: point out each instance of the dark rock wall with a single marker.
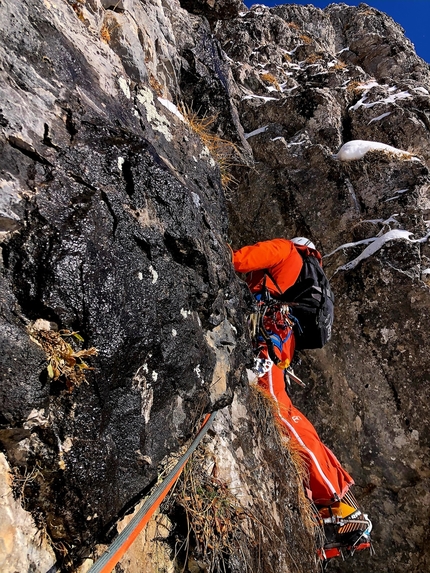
(114, 223)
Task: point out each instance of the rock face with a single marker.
(114, 223)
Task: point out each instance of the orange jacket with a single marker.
(279, 257)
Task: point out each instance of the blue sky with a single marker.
(412, 15)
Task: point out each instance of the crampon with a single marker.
(346, 529)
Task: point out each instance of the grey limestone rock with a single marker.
(114, 222)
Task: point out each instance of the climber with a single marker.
(272, 270)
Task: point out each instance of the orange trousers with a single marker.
(328, 481)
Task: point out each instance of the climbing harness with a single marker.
(107, 562)
(269, 319)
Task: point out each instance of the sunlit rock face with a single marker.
(310, 81)
(114, 223)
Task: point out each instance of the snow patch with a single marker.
(355, 244)
(396, 194)
(172, 108)
(256, 131)
(380, 117)
(357, 149)
(154, 274)
(254, 96)
(421, 90)
(376, 244)
(390, 99)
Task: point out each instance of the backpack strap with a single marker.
(272, 278)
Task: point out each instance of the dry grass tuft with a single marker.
(63, 360)
(105, 33)
(155, 85)
(77, 7)
(305, 39)
(108, 26)
(295, 456)
(313, 58)
(340, 66)
(224, 152)
(214, 515)
(353, 86)
(270, 79)
(293, 26)
(287, 58)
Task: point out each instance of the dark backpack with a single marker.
(311, 302)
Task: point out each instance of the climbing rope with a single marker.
(119, 546)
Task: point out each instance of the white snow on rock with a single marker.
(350, 245)
(391, 219)
(380, 117)
(396, 194)
(390, 99)
(264, 98)
(256, 131)
(421, 90)
(376, 244)
(172, 108)
(357, 149)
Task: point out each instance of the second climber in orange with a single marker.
(272, 268)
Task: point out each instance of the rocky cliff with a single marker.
(137, 139)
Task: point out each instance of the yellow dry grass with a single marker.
(77, 8)
(270, 79)
(339, 66)
(105, 33)
(214, 515)
(63, 361)
(313, 58)
(155, 85)
(295, 455)
(224, 152)
(353, 86)
(305, 39)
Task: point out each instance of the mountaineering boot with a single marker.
(346, 529)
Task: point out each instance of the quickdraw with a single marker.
(270, 318)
